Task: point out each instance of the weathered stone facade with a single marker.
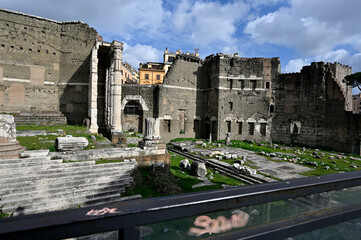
(313, 107)
(211, 97)
(44, 65)
(66, 67)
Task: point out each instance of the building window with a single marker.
(133, 108)
(230, 83)
(146, 76)
(170, 59)
(263, 129)
(271, 108)
(228, 126)
(230, 106)
(242, 83)
(240, 128)
(251, 128)
(267, 85)
(158, 77)
(253, 84)
(166, 126)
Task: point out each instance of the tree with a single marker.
(354, 80)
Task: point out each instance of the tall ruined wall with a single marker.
(181, 100)
(44, 65)
(243, 86)
(77, 41)
(310, 109)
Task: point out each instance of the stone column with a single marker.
(9, 147)
(93, 90)
(117, 50)
(152, 128)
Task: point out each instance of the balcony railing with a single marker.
(126, 217)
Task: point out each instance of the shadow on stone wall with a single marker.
(74, 96)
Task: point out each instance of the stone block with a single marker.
(70, 143)
(184, 164)
(198, 169)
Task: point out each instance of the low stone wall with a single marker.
(145, 157)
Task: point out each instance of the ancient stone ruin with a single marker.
(9, 146)
(200, 98)
(70, 143)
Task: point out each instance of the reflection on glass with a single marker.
(198, 227)
(220, 224)
(344, 231)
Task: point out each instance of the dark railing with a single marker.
(126, 216)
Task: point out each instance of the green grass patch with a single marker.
(69, 129)
(132, 145)
(335, 165)
(4, 214)
(184, 139)
(38, 142)
(48, 141)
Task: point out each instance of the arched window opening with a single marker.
(272, 108)
(267, 85)
(133, 108)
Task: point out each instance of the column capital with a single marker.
(116, 45)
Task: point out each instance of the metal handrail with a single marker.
(127, 215)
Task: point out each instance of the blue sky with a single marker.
(297, 31)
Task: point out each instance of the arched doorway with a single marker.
(133, 117)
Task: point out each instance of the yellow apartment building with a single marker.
(151, 73)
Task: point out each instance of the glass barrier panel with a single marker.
(202, 226)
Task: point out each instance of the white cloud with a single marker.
(125, 18)
(313, 27)
(209, 22)
(256, 3)
(295, 65)
(141, 54)
(341, 55)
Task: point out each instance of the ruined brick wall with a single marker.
(44, 65)
(180, 99)
(310, 109)
(146, 96)
(244, 96)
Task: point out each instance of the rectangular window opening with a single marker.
(253, 84)
(230, 83)
(263, 129)
(240, 128)
(167, 126)
(228, 126)
(230, 106)
(251, 128)
(242, 84)
(146, 76)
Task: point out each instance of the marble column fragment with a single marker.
(93, 90)
(117, 50)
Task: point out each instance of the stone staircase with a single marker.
(39, 184)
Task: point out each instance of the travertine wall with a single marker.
(239, 94)
(310, 108)
(146, 97)
(44, 65)
(181, 99)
